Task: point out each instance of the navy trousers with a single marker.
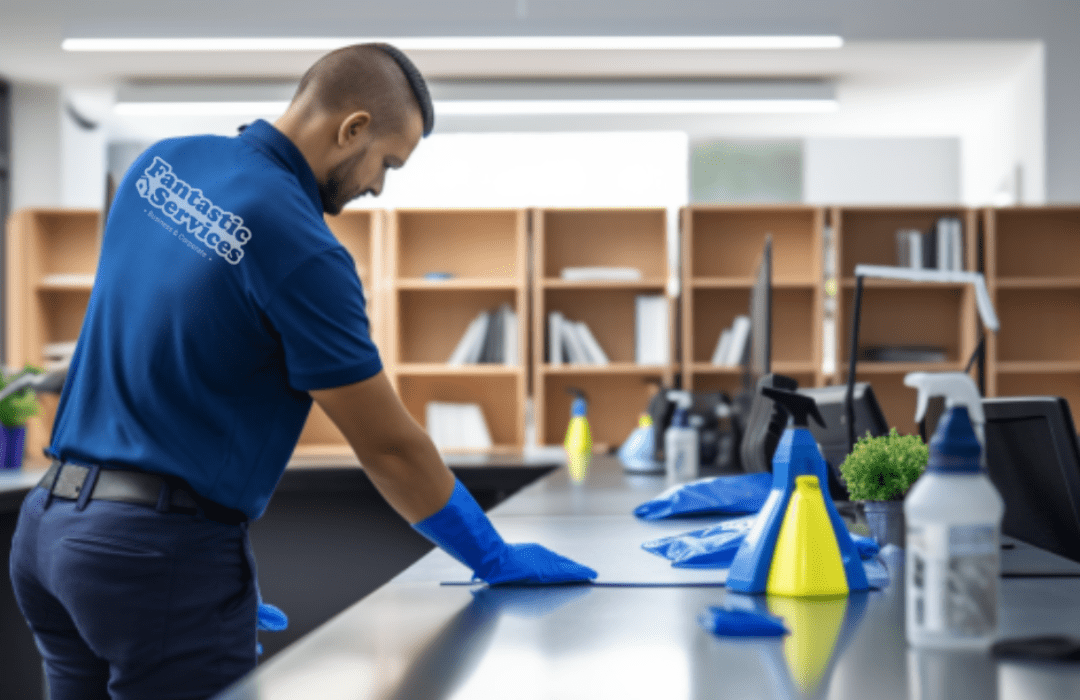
(128, 602)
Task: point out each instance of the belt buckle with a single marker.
(69, 482)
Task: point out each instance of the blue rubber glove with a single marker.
(462, 530)
(271, 618)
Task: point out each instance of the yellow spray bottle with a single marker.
(578, 442)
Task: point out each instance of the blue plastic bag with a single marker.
(731, 495)
(710, 548)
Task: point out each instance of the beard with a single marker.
(332, 192)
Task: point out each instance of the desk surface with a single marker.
(417, 638)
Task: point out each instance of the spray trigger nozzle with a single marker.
(798, 406)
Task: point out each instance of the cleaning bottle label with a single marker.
(953, 579)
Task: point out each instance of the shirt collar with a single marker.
(262, 135)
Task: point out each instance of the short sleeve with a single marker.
(318, 310)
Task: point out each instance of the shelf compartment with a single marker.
(897, 400)
(868, 283)
(793, 337)
(1064, 384)
(748, 282)
(727, 241)
(320, 436)
(466, 284)
(60, 316)
(1037, 367)
(501, 399)
(65, 242)
(624, 368)
(615, 403)
(435, 369)
(867, 367)
(431, 322)
(356, 230)
(1034, 242)
(65, 282)
(603, 238)
(731, 381)
(610, 315)
(651, 284)
(1038, 325)
(923, 315)
(467, 243)
(867, 235)
(1037, 283)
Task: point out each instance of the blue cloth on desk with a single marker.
(730, 495)
(715, 547)
(709, 548)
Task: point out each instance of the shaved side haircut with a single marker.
(376, 78)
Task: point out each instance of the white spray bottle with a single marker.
(958, 388)
(953, 515)
(680, 441)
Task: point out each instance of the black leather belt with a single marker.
(67, 480)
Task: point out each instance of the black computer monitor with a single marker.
(833, 438)
(758, 361)
(1033, 460)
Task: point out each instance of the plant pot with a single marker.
(886, 521)
(14, 444)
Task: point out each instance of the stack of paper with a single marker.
(573, 342)
(457, 426)
(651, 346)
(734, 342)
(610, 274)
(491, 337)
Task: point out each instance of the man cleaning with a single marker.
(222, 306)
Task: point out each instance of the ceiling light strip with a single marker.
(505, 107)
(496, 43)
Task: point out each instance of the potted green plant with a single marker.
(879, 471)
(15, 410)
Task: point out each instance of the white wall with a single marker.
(607, 169)
(83, 160)
(35, 145)
(881, 170)
(616, 169)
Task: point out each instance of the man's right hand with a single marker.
(463, 530)
(535, 564)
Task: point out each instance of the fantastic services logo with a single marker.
(220, 230)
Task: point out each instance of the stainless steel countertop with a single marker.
(417, 638)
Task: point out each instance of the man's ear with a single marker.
(355, 125)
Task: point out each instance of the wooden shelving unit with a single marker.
(484, 252)
(52, 255)
(1033, 272)
(363, 233)
(721, 251)
(901, 313)
(620, 391)
(51, 259)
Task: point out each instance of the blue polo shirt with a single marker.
(221, 298)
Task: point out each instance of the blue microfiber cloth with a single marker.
(715, 547)
(741, 623)
(868, 547)
(710, 548)
(731, 495)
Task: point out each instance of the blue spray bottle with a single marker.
(792, 515)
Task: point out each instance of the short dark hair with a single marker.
(369, 77)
